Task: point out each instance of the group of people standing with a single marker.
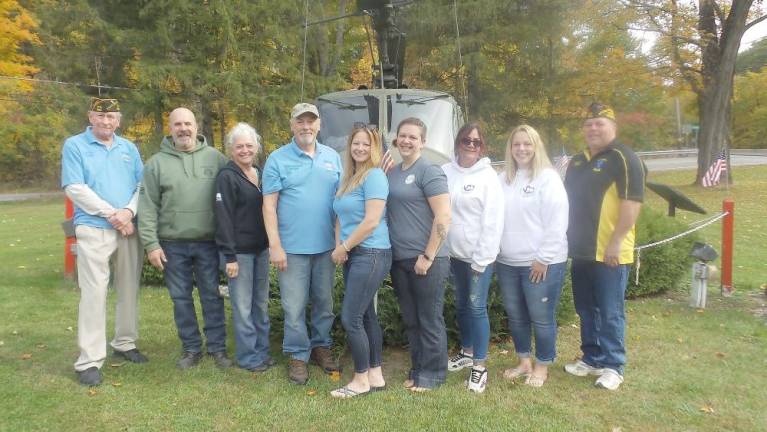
(309, 211)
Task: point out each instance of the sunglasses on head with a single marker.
(361, 125)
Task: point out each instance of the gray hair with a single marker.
(242, 129)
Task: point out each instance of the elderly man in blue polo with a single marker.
(299, 183)
(100, 173)
(605, 187)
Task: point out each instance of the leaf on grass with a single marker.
(721, 354)
(574, 325)
(92, 392)
(335, 376)
(311, 392)
(503, 352)
(116, 384)
(679, 340)
(116, 365)
(2, 343)
(26, 356)
(707, 408)
(700, 310)
(22, 267)
(616, 429)
(69, 328)
(15, 332)
(42, 346)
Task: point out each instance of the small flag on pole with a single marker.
(714, 173)
(561, 163)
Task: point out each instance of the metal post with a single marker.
(728, 243)
(70, 242)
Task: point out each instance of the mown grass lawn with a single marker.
(688, 370)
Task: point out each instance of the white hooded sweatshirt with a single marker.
(535, 219)
(476, 206)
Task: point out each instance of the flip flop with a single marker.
(515, 373)
(408, 384)
(536, 380)
(374, 389)
(346, 393)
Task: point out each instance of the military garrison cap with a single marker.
(597, 110)
(105, 105)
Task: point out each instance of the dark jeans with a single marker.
(599, 293)
(363, 273)
(421, 300)
(191, 263)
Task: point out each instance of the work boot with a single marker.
(132, 355)
(298, 372)
(323, 357)
(90, 377)
(221, 359)
(188, 360)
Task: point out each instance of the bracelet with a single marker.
(346, 248)
(428, 258)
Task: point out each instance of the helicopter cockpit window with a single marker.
(339, 116)
(439, 114)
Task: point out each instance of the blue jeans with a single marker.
(249, 294)
(532, 306)
(363, 273)
(471, 290)
(599, 293)
(421, 302)
(195, 263)
(308, 277)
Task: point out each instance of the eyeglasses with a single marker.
(475, 142)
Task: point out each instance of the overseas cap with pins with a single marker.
(597, 109)
(303, 108)
(105, 105)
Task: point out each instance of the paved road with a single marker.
(671, 163)
(28, 196)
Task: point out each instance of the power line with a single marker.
(98, 86)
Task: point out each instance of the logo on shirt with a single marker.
(468, 187)
(528, 189)
(218, 197)
(126, 157)
(330, 166)
(410, 179)
(598, 164)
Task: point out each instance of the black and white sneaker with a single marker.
(478, 379)
(459, 361)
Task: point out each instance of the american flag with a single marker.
(714, 173)
(560, 164)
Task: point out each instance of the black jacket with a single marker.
(239, 220)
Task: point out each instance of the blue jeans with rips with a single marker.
(195, 263)
(421, 302)
(532, 306)
(307, 278)
(249, 294)
(599, 293)
(363, 273)
(471, 289)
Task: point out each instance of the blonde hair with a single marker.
(354, 177)
(540, 159)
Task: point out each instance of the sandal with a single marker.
(377, 388)
(408, 384)
(415, 389)
(346, 393)
(536, 380)
(515, 373)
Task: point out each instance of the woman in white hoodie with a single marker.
(533, 257)
(473, 240)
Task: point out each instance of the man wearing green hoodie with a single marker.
(176, 226)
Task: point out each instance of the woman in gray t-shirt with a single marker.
(418, 212)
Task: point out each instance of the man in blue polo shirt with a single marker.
(299, 183)
(100, 173)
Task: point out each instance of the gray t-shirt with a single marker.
(409, 216)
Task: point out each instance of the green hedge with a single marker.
(661, 269)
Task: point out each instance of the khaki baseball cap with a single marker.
(303, 108)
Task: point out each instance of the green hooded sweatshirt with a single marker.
(176, 197)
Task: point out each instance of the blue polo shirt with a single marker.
(112, 173)
(307, 187)
(350, 208)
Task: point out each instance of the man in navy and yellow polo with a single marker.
(605, 186)
(100, 173)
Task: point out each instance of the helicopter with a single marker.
(388, 100)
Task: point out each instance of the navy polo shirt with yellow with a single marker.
(595, 187)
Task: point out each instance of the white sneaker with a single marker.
(581, 369)
(478, 379)
(609, 380)
(459, 361)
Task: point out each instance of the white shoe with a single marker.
(609, 380)
(478, 379)
(459, 361)
(581, 369)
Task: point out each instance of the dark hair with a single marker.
(415, 122)
(464, 131)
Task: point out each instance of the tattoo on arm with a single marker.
(442, 234)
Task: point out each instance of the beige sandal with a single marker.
(408, 384)
(536, 380)
(515, 373)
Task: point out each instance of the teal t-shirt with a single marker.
(350, 209)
